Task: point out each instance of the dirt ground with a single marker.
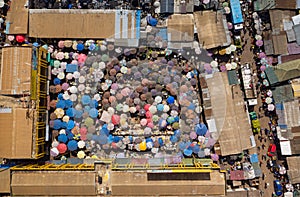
(247, 57)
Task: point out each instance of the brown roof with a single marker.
(181, 27)
(16, 133)
(295, 141)
(277, 17)
(17, 16)
(49, 183)
(284, 4)
(4, 180)
(15, 70)
(229, 113)
(293, 169)
(54, 23)
(287, 58)
(280, 44)
(211, 29)
(137, 184)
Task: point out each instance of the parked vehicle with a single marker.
(272, 150)
(278, 188)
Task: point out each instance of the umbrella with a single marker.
(271, 107)
(227, 10)
(268, 100)
(214, 157)
(269, 93)
(193, 135)
(265, 82)
(59, 112)
(81, 154)
(262, 55)
(232, 48)
(229, 24)
(263, 68)
(70, 124)
(282, 170)
(54, 152)
(93, 113)
(73, 89)
(57, 124)
(258, 37)
(187, 152)
(206, 1)
(233, 65)
(85, 100)
(259, 43)
(72, 145)
(20, 38)
(214, 64)
(62, 148)
(70, 112)
(201, 154)
(228, 66)
(62, 138)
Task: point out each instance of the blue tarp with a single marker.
(253, 158)
(237, 16)
(70, 68)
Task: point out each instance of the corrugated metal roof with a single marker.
(283, 93)
(232, 77)
(263, 5)
(167, 6)
(271, 75)
(296, 29)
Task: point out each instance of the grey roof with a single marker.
(232, 77)
(271, 75)
(296, 29)
(283, 93)
(167, 6)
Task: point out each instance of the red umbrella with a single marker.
(20, 38)
(115, 119)
(62, 148)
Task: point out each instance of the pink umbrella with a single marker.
(230, 26)
(270, 60)
(223, 68)
(81, 58)
(214, 157)
(115, 119)
(259, 43)
(271, 107)
(262, 55)
(193, 135)
(263, 68)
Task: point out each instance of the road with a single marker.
(247, 57)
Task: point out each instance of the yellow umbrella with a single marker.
(222, 52)
(59, 112)
(81, 154)
(143, 146)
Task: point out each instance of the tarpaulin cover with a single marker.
(253, 158)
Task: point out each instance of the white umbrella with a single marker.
(66, 96)
(268, 100)
(271, 107)
(232, 47)
(73, 97)
(282, 170)
(61, 75)
(76, 74)
(214, 64)
(81, 144)
(81, 79)
(233, 65)
(228, 66)
(207, 151)
(258, 37)
(73, 89)
(228, 50)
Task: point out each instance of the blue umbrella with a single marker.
(93, 113)
(192, 106)
(72, 145)
(71, 124)
(78, 113)
(64, 125)
(173, 139)
(57, 124)
(160, 141)
(70, 136)
(62, 138)
(196, 148)
(117, 139)
(170, 120)
(181, 145)
(187, 152)
(87, 108)
(60, 96)
(110, 139)
(86, 99)
(170, 100)
(93, 103)
(80, 46)
(104, 131)
(56, 81)
(61, 104)
(71, 112)
(102, 139)
(160, 107)
(201, 129)
(177, 133)
(69, 103)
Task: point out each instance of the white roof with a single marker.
(285, 147)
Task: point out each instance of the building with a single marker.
(293, 171)
(23, 122)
